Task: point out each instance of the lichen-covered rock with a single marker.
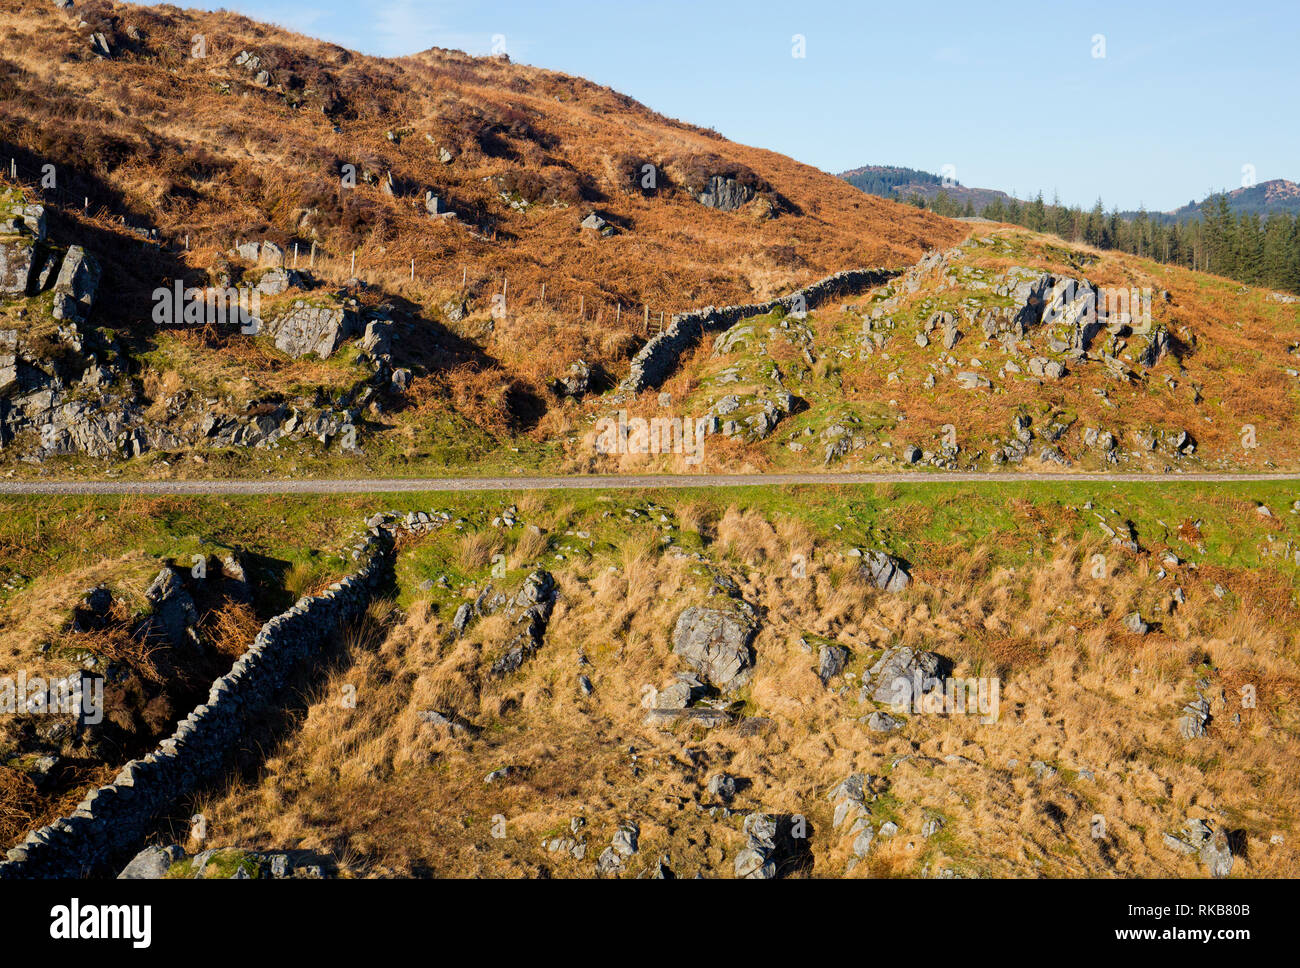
(830, 662)
(884, 571)
(716, 644)
(75, 287)
(310, 328)
(174, 615)
(901, 674)
(8, 360)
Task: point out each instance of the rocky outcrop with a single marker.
(1211, 846)
(533, 607)
(884, 571)
(22, 226)
(576, 382)
(8, 360)
(724, 193)
(174, 617)
(74, 290)
(313, 328)
(902, 674)
(716, 644)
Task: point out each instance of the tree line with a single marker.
(1256, 250)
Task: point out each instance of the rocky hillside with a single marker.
(230, 250)
(926, 681)
(507, 220)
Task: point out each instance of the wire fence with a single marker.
(367, 263)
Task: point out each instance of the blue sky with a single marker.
(1186, 95)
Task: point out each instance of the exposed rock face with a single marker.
(830, 662)
(16, 258)
(309, 328)
(885, 572)
(533, 605)
(108, 427)
(74, 290)
(969, 380)
(8, 360)
(716, 644)
(879, 722)
(174, 615)
(757, 860)
(597, 224)
(901, 673)
(277, 280)
(1134, 623)
(21, 227)
(1046, 369)
(259, 253)
(1196, 716)
(151, 864)
(726, 194)
(1157, 345)
(1211, 845)
(723, 786)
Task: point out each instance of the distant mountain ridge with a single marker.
(1274, 197)
(900, 183)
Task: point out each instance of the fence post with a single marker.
(647, 319)
(582, 308)
(543, 295)
(295, 255)
(413, 270)
(618, 313)
(354, 264)
(313, 254)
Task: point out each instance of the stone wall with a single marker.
(658, 358)
(110, 823)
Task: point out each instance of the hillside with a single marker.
(441, 193)
(530, 697)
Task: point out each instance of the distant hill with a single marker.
(1275, 197)
(901, 184)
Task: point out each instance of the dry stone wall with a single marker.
(111, 821)
(658, 358)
